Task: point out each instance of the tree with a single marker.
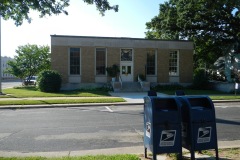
(212, 25)
(30, 60)
(19, 10)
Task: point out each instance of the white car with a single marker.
(32, 81)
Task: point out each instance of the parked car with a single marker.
(32, 81)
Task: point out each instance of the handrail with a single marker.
(140, 81)
(120, 80)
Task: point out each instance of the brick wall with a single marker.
(59, 61)
(162, 66)
(186, 66)
(140, 60)
(88, 64)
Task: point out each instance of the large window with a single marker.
(100, 61)
(173, 63)
(126, 55)
(75, 61)
(151, 62)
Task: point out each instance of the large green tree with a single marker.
(212, 25)
(19, 10)
(29, 61)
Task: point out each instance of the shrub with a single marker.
(159, 87)
(49, 81)
(200, 79)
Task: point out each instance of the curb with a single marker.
(88, 105)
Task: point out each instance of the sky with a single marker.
(82, 20)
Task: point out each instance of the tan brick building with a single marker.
(82, 60)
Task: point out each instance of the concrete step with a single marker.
(131, 87)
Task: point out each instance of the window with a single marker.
(126, 54)
(75, 61)
(100, 61)
(173, 63)
(150, 62)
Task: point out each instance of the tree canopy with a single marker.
(212, 25)
(30, 60)
(19, 10)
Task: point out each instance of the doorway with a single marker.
(126, 65)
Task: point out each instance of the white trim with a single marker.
(129, 63)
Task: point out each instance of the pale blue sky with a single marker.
(83, 20)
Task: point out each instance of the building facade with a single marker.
(82, 59)
(4, 66)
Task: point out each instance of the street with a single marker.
(11, 84)
(87, 128)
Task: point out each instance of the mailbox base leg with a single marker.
(145, 152)
(216, 150)
(192, 155)
(154, 156)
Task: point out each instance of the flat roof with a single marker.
(122, 42)
(126, 38)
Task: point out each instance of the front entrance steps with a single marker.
(130, 86)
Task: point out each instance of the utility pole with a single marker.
(0, 57)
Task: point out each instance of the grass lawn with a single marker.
(226, 153)
(97, 157)
(214, 95)
(33, 92)
(93, 96)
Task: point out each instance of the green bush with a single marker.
(159, 88)
(49, 81)
(200, 80)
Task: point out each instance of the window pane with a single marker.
(173, 63)
(74, 60)
(151, 62)
(100, 61)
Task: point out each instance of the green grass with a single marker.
(97, 157)
(60, 101)
(214, 95)
(33, 92)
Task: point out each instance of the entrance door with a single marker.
(126, 65)
(126, 72)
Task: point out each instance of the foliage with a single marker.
(200, 79)
(213, 26)
(142, 77)
(113, 70)
(30, 60)
(49, 81)
(19, 10)
(159, 87)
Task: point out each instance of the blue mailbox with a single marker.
(198, 124)
(162, 125)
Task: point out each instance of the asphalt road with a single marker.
(86, 128)
(11, 84)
